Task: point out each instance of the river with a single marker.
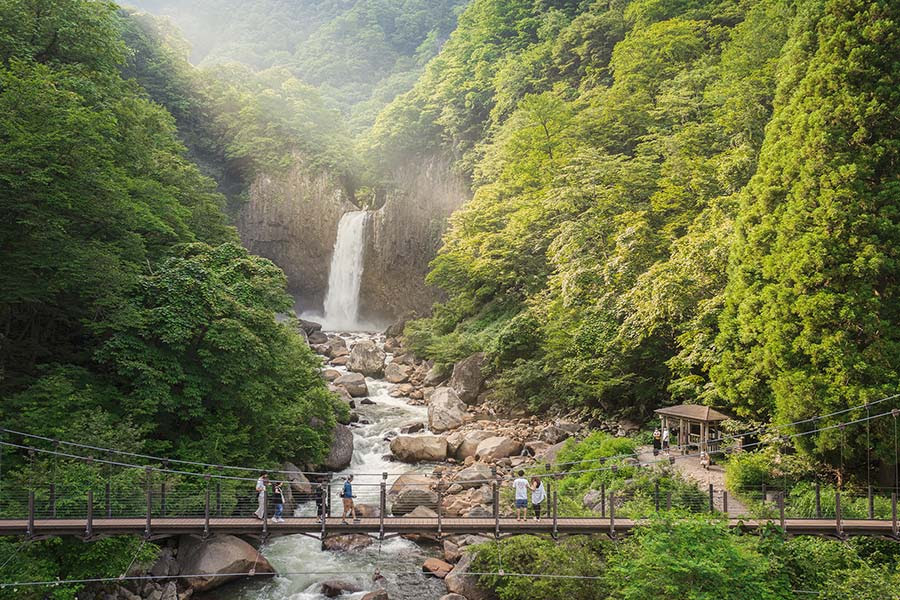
(399, 560)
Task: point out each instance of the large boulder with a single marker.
(216, 559)
(422, 512)
(467, 378)
(416, 448)
(437, 375)
(309, 327)
(497, 447)
(341, 452)
(317, 337)
(299, 484)
(469, 446)
(412, 499)
(367, 358)
(445, 411)
(437, 567)
(459, 581)
(354, 384)
(474, 476)
(397, 373)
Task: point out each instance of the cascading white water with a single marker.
(342, 297)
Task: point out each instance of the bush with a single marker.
(531, 554)
(748, 470)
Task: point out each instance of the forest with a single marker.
(672, 201)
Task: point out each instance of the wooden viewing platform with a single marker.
(392, 526)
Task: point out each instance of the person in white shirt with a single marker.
(520, 484)
(665, 440)
(538, 495)
(261, 484)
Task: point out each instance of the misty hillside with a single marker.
(360, 53)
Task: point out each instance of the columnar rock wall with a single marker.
(405, 236)
(292, 220)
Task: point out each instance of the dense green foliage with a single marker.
(673, 201)
(696, 558)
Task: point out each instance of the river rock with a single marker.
(347, 543)
(459, 581)
(335, 587)
(437, 375)
(412, 428)
(309, 327)
(341, 452)
(366, 511)
(299, 484)
(591, 499)
(397, 373)
(396, 329)
(497, 447)
(409, 481)
(451, 551)
(316, 338)
(552, 452)
(474, 476)
(412, 499)
(422, 512)
(336, 347)
(437, 567)
(445, 411)
(216, 556)
(354, 383)
(376, 595)
(415, 448)
(452, 597)
(469, 446)
(467, 378)
(340, 361)
(536, 448)
(330, 374)
(367, 358)
(392, 345)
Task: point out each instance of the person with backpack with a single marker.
(347, 497)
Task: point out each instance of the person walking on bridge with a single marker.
(347, 497)
(278, 498)
(521, 486)
(261, 484)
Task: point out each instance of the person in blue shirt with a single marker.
(347, 497)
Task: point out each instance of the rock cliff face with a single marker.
(405, 236)
(292, 220)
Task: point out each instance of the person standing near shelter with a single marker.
(347, 497)
(261, 484)
(520, 484)
(665, 440)
(538, 495)
(657, 441)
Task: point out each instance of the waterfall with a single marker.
(342, 298)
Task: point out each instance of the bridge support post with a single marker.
(162, 498)
(603, 500)
(712, 503)
(323, 491)
(555, 514)
(147, 528)
(612, 515)
(781, 509)
(894, 514)
(818, 500)
(838, 524)
(496, 495)
(265, 515)
(382, 508)
(871, 503)
(30, 527)
(218, 498)
(440, 503)
(89, 528)
(206, 510)
(52, 501)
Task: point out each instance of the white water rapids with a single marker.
(345, 276)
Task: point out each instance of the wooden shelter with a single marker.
(697, 426)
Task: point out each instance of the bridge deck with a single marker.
(403, 525)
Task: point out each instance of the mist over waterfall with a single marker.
(342, 298)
